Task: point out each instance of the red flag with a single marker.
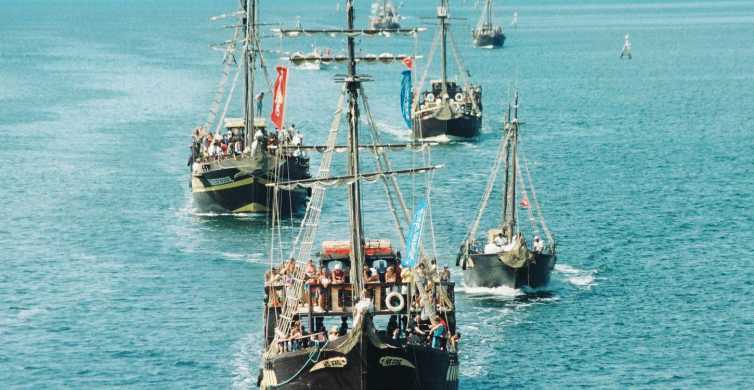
(409, 62)
(525, 203)
(278, 98)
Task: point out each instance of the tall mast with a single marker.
(354, 190)
(442, 15)
(249, 56)
(488, 22)
(507, 125)
(510, 175)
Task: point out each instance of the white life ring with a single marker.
(389, 302)
(430, 97)
(459, 97)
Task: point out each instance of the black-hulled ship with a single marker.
(384, 16)
(354, 305)
(487, 34)
(232, 164)
(505, 258)
(447, 108)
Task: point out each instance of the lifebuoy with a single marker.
(459, 97)
(389, 302)
(430, 97)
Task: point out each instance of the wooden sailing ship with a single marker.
(447, 109)
(485, 33)
(507, 258)
(384, 16)
(355, 283)
(233, 160)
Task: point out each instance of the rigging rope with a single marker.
(431, 55)
(220, 90)
(384, 165)
(461, 69)
(305, 238)
(230, 97)
(428, 188)
(502, 155)
(537, 206)
(525, 195)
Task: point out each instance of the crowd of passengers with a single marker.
(425, 328)
(206, 146)
(432, 331)
(318, 279)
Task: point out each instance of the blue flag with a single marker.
(414, 235)
(406, 97)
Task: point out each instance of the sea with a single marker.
(644, 168)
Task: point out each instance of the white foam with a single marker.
(503, 291)
(254, 259)
(577, 277)
(399, 132)
(25, 314)
(244, 367)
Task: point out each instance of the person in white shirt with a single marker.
(258, 139)
(500, 240)
(538, 245)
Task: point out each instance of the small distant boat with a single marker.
(626, 51)
(317, 59)
(384, 16)
(506, 258)
(486, 34)
(514, 21)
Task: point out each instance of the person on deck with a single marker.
(343, 330)
(289, 266)
(500, 240)
(338, 275)
(416, 334)
(324, 282)
(538, 245)
(438, 330)
(333, 334)
(445, 274)
(259, 100)
(407, 277)
(390, 275)
(370, 276)
(310, 268)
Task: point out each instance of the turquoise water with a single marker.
(644, 168)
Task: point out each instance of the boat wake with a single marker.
(245, 361)
(399, 132)
(246, 258)
(446, 139)
(210, 214)
(577, 277)
(502, 291)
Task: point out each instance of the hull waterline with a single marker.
(488, 271)
(467, 126)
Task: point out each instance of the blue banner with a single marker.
(406, 97)
(414, 235)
